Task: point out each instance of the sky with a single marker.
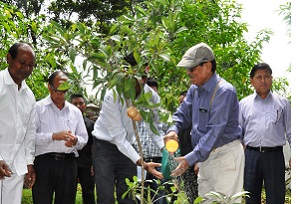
(262, 14)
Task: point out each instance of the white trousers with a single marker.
(222, 172)
(11, 189)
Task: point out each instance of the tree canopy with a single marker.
(158, 32)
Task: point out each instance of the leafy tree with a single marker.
(104, 12)
(159, 32)
(285, 11)
(28, 7)
(15, 27)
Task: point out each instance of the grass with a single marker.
(27, 198)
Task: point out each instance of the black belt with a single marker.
(153, 159)
(59, 156)
(265, 149)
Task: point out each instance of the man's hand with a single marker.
(181, 168)
(4, 170)
(150, 167)
(196, 168)
(171, 135)
(30, 177)
(92, 170)
(68, 136)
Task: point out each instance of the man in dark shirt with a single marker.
(190, 176)
(84, 161)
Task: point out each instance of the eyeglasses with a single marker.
(192, 69)
(58, 91)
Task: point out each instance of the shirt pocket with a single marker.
(203, 117)
(279, 114)
(276, 115)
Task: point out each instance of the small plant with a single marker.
(134, 190)
(220, 198)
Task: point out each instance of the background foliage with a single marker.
(102, 33)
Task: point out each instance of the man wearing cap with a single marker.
(211, 106)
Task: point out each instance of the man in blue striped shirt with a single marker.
(211, 107)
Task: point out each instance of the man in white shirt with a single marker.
(60, 132)
(115, 158)
(17, 124)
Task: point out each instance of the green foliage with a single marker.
(220, 198)
(158, 32)
(134, 191)
(28, 7)
(285, 11)
(27, 196)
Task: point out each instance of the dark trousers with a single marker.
(190, 184)
(151, 181)
(55, 175)
(111, 169)
(267, 168)
(87, 183)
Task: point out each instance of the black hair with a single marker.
(131, 60)
(13, 50)
(260, 66)
(152, 82)
(53, 76)
(76, 95)
(183, 93)
(213, 65)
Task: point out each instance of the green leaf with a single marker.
(166, 57)
(6, 26)
(64, 86)
(128, 84)
(72, 54)
(97, 56)
(114, 29)
(116, 38)
(181, 29)
(19, 14)
(8, 13)
(153, 128)
(198, 200)
(33, 26)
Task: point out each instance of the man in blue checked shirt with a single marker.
(211, 107)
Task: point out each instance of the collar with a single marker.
(270, 94)
(9, 81)
(48, 101)
(210, 84)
